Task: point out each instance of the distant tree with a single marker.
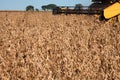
(44, 7)
(30, 8)
(36, 9)
(78, 6)
(48, 7)
(51, 6)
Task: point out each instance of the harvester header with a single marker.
(106, 8)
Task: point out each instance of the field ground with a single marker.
(40, 46)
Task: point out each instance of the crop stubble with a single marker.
(40, 46)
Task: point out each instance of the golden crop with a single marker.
(42, 46)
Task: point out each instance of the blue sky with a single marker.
(21, 4)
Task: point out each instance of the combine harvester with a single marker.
(106, 8)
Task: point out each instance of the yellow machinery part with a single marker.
(112, 10)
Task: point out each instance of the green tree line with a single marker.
(48, 7)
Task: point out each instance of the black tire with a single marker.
(101, 18)
(54, 12)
